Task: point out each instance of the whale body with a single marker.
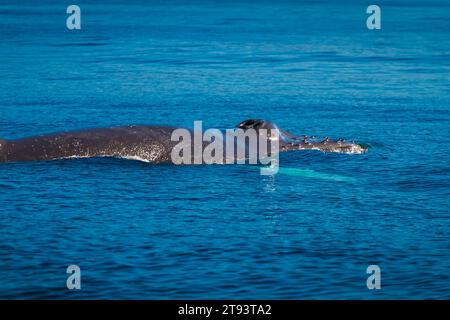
(148, 143)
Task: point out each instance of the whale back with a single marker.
(2, 150)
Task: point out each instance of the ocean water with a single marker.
(141, 231)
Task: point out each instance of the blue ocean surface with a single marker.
(143, 231)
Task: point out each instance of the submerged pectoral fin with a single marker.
(309, 173)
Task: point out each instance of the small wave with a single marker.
(135, 158)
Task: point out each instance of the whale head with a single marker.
(291, 142)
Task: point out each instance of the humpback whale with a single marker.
(148, 143)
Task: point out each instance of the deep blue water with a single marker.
(142, 231)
